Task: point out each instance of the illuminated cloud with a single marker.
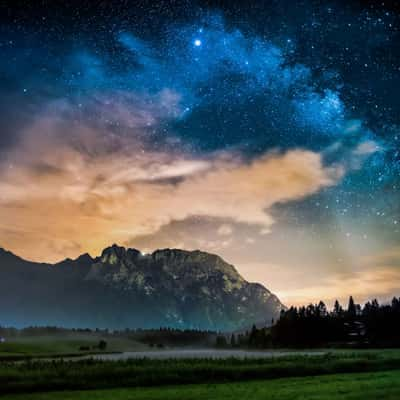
(75, 184)
(225, 230)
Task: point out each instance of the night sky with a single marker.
(267, 132)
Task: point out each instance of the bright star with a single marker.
(197, 42)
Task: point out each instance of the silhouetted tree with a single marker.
(221, 341)
(351, 309)
(102, 345)
(337, 309)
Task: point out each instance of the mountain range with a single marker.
(124, 288)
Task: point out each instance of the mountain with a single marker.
(124, 288)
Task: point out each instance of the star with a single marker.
(197, 42)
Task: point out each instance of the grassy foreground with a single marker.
(356, 386)
(43, 376)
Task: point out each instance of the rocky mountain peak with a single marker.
(124, 288)
(115, 254)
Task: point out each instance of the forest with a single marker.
(373, 325)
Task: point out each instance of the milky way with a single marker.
(268, 134)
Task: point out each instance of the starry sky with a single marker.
(267, 132)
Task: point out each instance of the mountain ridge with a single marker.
(125, 288)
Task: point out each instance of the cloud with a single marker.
(225, 230)
(389, 258)
(366, 148)
(378, 283)
(377, 276)
(74, 177)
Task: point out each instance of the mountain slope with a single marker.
(124, 288)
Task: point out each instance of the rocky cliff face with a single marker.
(124, 288)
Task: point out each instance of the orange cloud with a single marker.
(73, 186)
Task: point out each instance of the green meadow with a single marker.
(361, 374)
(68, 345)
(354, 386)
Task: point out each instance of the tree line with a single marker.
(160, 337)
(373, 325)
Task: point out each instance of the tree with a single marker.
(321, 309)
(102, 345)
(233, 340)
(221, 341)
(337, 309)
(253, 336)
(351, 309)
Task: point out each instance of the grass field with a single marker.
(62, 345)
(321, 375)
(44, 376)
(355, 386)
